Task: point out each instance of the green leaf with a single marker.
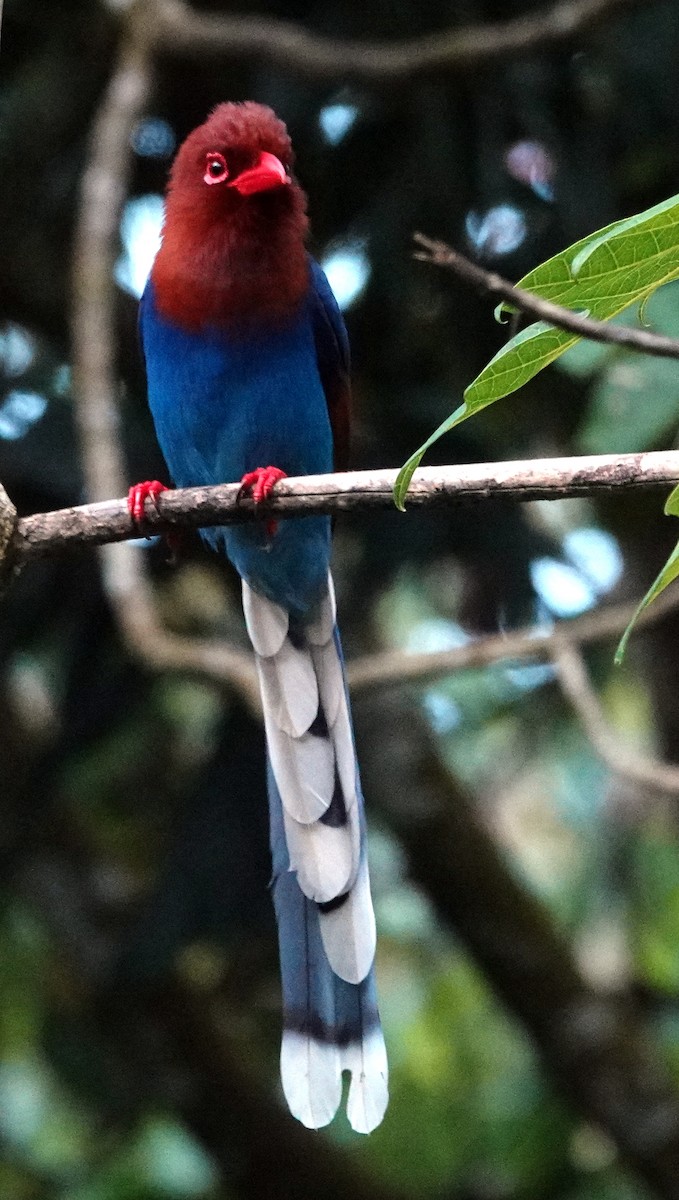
(601, 275)
(553, 278)
(643, 312)
(408, 470)
(641, 227)
(669, 573)
(517, 362)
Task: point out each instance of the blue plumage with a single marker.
(224, 402)
(248, 366)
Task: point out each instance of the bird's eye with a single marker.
(216, 169)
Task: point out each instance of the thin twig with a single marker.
(183, 31)
(628, 764)
(534, 643)
(642, 340)
(526, 479)
(102, 196)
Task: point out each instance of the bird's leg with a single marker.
(137, 496)
(139, 493)
(261, 483)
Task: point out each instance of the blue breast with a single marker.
(223, 404)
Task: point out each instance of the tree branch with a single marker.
(291, 46)
(642, 340)
(631, 765)
(534, 643)
(529, 479)
(94, 524)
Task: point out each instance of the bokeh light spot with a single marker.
(153, 138)
(140, 228)
(531, 163)
(562, 589)
(499, 230)
(597, 555)
(336, 120)
(18, 412)
(348, 270)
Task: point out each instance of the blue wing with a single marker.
(332, 356)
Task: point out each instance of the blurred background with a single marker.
(517, 880)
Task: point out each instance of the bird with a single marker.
(247, 365)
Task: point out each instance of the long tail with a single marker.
(326, 925)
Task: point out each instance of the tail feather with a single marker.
(304, 768)
(289, 678)
(329, 678)
(329, 1025)
(323, 857)
(321, 628)
(348, 931)
(267, 623)
(321, 887)
(312, 1078)
(369, 1089)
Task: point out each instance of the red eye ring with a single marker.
(216, 170)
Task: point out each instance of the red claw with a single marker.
(139, 493)
(261, 483)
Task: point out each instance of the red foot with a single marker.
(261, 482)
(139, 494)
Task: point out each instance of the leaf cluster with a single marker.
(599, 276)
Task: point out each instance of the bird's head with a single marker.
(241, 151)
(235, 223)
